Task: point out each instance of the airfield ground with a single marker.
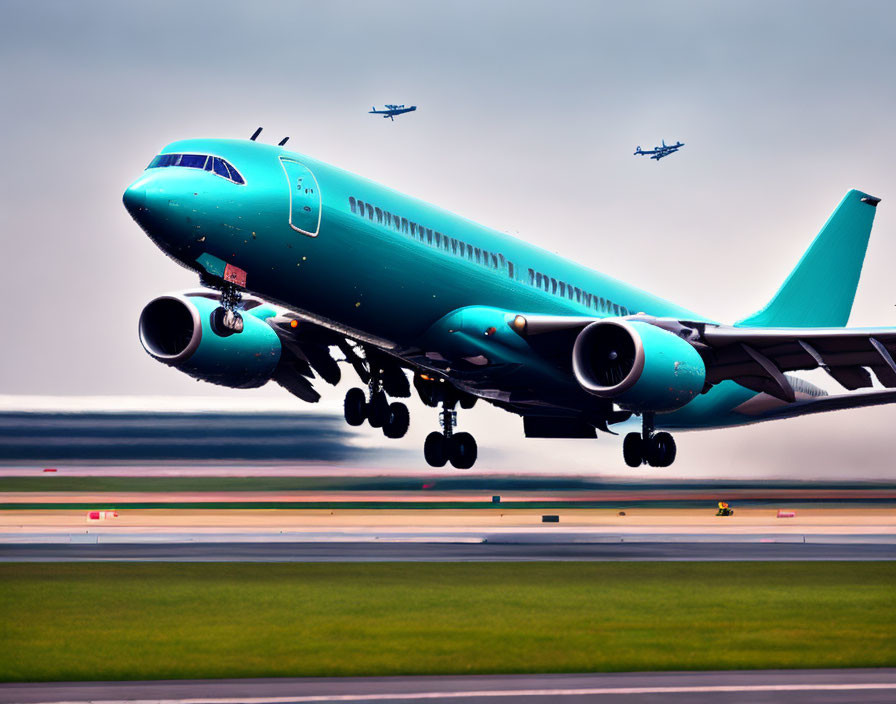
(118, 621)
(129, 619)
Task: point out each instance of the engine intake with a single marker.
(179, 330)
(639, 366)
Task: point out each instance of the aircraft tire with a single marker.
(633, 450)
(378, 410)
(467, 401)
(355, 407)
(217, 322)
(398, 422)
(661, 450)
(434, 450)
(462, 450)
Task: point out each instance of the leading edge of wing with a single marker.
(761, 411)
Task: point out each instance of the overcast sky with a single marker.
(528, 116)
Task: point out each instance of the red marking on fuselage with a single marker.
(235, 275)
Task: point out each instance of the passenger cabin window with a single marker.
(416, 231)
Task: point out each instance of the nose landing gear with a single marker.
(226, 320)
(656, 449)
(447, 446)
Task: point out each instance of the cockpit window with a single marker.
(234, 174)
(193, 161)
(198, 161)
(221, 168)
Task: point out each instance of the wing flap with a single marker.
(844, 353)
(823, 404)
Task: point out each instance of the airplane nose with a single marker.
(134, 198)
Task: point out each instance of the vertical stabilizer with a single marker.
(819, 292)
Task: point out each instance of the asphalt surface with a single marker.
(792, 686)
(442, 551)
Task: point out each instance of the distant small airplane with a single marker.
(659, 152)
(392, 110)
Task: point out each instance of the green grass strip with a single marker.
(119, 621)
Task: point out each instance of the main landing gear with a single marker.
(656, 449)
(447, 446)
(393, 418)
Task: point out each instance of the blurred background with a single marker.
(528, 114)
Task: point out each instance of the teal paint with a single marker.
(211, 264)
(239, 361)
(402, 271)
(673, 372)
(820, 290)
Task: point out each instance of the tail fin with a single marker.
(819, 292)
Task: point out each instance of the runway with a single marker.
(872, 686)
(494, 550)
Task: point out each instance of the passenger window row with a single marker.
(492, 260)
(560, 288)
(215, 164)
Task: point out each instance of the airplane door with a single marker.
(304, 197)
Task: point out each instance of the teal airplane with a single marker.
(308, 269)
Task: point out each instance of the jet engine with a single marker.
(181, 330)
(639, 366)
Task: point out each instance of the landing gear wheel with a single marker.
(398, 421)
(378, 410)
(232, 321)
(434, 450)
(217, 322)
(633, 450)
(355, 407)
(462, 450)
(661, 450)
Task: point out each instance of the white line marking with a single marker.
(504, 693)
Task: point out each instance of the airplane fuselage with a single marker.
(380, 266)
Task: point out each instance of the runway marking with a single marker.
(505, 693)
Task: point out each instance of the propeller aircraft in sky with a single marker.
(300, 259)
(392, 110)
(659, 152)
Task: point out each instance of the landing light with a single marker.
(293, 323)
(519, 324)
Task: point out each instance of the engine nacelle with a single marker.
(639, 366)
(178, 330)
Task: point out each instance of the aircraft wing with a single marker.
(820, 404)
(757, 358)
